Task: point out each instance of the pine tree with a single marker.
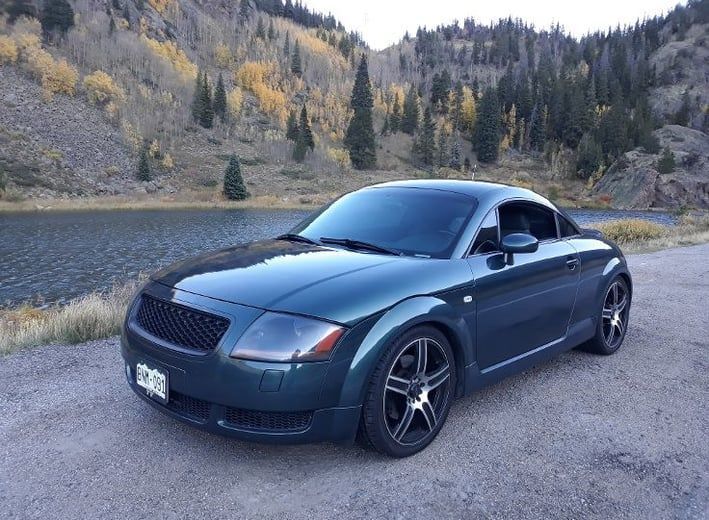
(487, 127)
(537, 128)
(589, 157)
(442, 148)
(260, 29)
(574, 114)
(385, 127)
(296, 67)
(455, 156)
(425, 145)
(57, 15)
(244, 9)
(588, 120)
(220, 103)
(197, 108)
(286, 45)
(271, 30)
(305, 137)
(395, 116)
(360, 139)
(234, 188)
(144, 173)
(292, 126)
(18, 8)
(206, 116)
(685, 110)
(410, 119)
(111, 25)
(666, 163)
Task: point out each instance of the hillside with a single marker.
(79, 104)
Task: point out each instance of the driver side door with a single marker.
(526, 304)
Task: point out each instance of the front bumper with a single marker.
(250, 400)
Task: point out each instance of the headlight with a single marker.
(289, 338)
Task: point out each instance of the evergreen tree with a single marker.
(206, 116)
(292, 126)
(111, 25)
(613, 131)
(588, 120)
(425, 145)
(57, 15)
(197, 107)
(410, 119)
(144, 173)
(243, 11)
(260, 29)
(537, 128)
(574, 114)
(466, 164)
(487, 127)
(234, 188)
(666, 163)
(442, 148)
(360, 140)
(589, 156)
(683, 114)
(220, 103)
(286, 45)
(296, 67)
(18, 8)
(271, 30)
(304, 140)
(455, 156)
(395, 116)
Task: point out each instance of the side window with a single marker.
(566, 228)
(486, 241)
(528, 218)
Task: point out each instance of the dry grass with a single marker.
(642, 237)
(627, 231)
(196, 200)
(94, 316)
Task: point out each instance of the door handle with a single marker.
(572, 262)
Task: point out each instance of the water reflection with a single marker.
(57, 256)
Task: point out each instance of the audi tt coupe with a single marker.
(368, 318)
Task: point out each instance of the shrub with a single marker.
(666, 163)
(8, 50)
(631, 230)
(101, 89)
(61, 78)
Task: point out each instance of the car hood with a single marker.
(334, 284)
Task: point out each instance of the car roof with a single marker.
(481, 190)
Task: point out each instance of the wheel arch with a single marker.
(410, 313)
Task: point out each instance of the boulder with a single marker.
(633, 181)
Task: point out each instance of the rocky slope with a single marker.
(634, 181)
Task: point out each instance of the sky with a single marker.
(383, 22)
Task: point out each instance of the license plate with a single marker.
(154, 381)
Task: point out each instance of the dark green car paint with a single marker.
(499, 318)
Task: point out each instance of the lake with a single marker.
(55, 256)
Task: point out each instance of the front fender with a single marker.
(402, 317)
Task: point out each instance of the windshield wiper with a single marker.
(359, 244)
(294, 237)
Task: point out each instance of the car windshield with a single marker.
(411, 221)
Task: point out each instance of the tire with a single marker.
(612, 314)
(408, 400)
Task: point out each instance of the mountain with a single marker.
(85, 95)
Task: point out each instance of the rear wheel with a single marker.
(410, 393)
(613, 319)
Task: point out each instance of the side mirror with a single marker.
(518, 243)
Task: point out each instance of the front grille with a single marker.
(180, 325)
(189, 406)
(268, 421)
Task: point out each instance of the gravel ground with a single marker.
(581, 436)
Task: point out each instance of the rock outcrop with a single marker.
(634, 181)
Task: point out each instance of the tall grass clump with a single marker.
(94, 316)
(626, 231)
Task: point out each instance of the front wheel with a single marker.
(410, 393)
(612, 320)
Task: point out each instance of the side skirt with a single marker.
(578, 333)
